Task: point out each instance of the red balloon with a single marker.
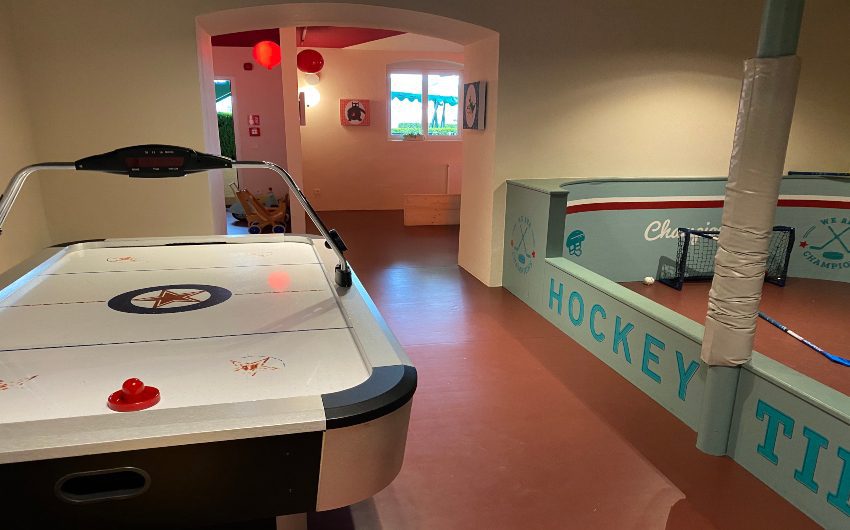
(267, 53)
(310, 61)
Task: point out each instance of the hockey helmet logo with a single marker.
(574, 242)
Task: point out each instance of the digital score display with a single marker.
(152, 161)
(149, 162)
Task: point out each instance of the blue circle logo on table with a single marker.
(163, 299)
(826, 244)
(522, 245)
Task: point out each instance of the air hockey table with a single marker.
(182, 382)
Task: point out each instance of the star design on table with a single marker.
(6, 385)
(167, 297)
(256, 364)
(804, 244)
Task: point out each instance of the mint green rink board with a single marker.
(789, 430)
(627, 227)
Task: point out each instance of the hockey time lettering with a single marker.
(816, 443)
(649, 351)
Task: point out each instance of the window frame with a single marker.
(425, 71)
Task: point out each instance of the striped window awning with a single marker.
(412, 96)
(222, 90)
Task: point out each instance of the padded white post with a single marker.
(755, 173)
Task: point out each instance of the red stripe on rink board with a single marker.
(670, 205)
(814, 203)
(656, 205)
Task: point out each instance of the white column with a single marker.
(292, 123)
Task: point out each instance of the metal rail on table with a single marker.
(162, 161)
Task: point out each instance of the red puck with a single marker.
(133, 396)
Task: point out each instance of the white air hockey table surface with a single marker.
(258, 356)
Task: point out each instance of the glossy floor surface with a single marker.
(514, 426)
(816, 309)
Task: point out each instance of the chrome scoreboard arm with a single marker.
(163, 161)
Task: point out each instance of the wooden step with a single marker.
(431, 209)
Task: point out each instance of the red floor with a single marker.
(514, 426)
(816, 309)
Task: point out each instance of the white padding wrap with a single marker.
(755, 172)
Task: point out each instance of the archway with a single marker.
(481, 49)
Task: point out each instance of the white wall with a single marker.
(478, 228)
(292, 118)
(586, 88)
(360, 168)
(258, 91)
(25, 231)
(99, 76)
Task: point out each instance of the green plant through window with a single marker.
(224, 110)
(408, 115)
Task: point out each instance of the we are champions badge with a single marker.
(827, 243)
(522, 245)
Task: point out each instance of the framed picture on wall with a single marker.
(475, 105)
(354, 112)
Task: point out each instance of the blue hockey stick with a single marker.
(834, 358)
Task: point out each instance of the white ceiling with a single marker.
(409, 42)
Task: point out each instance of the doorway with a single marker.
(478, 225)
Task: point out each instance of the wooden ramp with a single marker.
(431, 209)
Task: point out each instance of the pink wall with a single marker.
(258, 91)
(359, 168)
(354, 168)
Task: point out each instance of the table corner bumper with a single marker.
(387, 389)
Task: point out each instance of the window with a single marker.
(224, 109)
(438, 119)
